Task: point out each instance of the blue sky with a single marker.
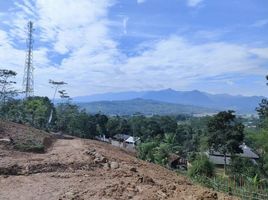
(99, 46)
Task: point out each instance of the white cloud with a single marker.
(10, 57)
(193, 3)
(91, 60)
(260, 52)
(175, 62)
(76, 29)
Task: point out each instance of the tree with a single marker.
(225, 134)
(153, 129)
(13, 111)
(146, 150)
(33, 110)
(113, 126)
(66, 113)
(73, 121)
(56, 85)
(262, 111)
(188, 139)
(161, 153)
(260, 142)
(137, 124)
(37, 110)
(101, 121)
(6, 90)
(243, 167)
(201, 166)
(167, 123)
(260, 138)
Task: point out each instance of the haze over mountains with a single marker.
(195, 98)
(144, 106)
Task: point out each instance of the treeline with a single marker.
(70, 119)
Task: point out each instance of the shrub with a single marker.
(30, 146)
(161, 154)
(201, 167)
(243, 167)
(146, 151)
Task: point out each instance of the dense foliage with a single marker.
(201, 166)
(225, 134)
(243, 167)
(6, 85)
(34, 111)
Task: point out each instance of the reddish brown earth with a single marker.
(84, 169)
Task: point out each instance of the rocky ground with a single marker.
(84, 169)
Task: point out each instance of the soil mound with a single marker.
(24, 138)
(85, 169)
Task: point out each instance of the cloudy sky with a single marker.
(97, 46)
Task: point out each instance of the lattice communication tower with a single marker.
(28, 80)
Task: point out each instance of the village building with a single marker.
(218, 158)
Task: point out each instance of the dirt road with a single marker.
(85, 169)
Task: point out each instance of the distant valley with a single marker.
(167, 102)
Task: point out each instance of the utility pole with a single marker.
(28, 81)
(64, 95)
(55, 84)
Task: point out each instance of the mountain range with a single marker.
(143, 106)
(195, 98)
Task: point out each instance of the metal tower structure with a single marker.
(28, 81)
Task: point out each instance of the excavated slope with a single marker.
(84, 169)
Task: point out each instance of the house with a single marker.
(176, 162)
(103, 138)
(132, 140)
(218, 158)
(127, 139)
(121, 137)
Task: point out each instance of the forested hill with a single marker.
(146, 107)
(241, 104)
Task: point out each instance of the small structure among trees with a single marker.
(218, 158)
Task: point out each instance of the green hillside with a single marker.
(146, 107)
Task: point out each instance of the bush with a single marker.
(201, 167)
(30, 146)
(146, 151)
(161, 154)
(243, 167)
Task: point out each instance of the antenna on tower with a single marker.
(28, 81)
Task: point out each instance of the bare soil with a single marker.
(84, 169)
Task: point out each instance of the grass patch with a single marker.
(30, 145)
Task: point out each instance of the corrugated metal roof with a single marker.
(132, 139)
(247, 153)
(122, 136)
(218, 158)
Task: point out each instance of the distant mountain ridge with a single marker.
(239, 103)
(143, 106)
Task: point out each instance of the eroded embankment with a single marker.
(85, 169)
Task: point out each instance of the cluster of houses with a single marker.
(122, 140)
(129, 142)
